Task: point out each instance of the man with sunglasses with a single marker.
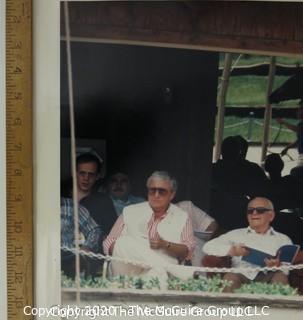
(155, 232)
(258, 235)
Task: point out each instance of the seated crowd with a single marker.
(161, 237)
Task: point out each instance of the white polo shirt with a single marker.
(268, 242)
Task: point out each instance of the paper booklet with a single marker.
(286, 253)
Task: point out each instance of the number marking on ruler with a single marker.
(19, 157)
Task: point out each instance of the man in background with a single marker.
(119, 190)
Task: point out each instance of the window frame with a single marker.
(47, 178)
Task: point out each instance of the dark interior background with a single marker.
(154, 107)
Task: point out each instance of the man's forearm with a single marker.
(176, 250)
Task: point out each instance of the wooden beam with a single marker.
(221, 107)
(268, 109)
(256, 27)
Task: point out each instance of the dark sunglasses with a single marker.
(259, 210)
(161, 191)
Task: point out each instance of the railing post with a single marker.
(221, 106)
(250, 125)
(268, 109)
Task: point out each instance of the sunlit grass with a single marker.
(251, 90)
(253, 131)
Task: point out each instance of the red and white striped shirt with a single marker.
(187, 236)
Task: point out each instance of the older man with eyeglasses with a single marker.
(258, 235)
(155, 232)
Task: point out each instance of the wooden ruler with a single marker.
(19, 157)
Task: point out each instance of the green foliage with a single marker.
(66, 282)
(200, 284)
(267, 288)
(131, 282)
(119, 282)
(215, 284)
(94, 282)
(88, 282)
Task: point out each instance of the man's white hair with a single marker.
(163, 175)
(270, 204)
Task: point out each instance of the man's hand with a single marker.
(238, 250)
(273, 262)
(177, 250)
(158, 244)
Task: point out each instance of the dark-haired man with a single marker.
(88, 168)
(99, 205)
(119, 189)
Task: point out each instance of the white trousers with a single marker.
(158, 263)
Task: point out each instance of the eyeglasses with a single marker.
(259, 210)
(161, 191)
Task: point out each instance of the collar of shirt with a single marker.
(154, 217)
(269, 232)
(120, 200)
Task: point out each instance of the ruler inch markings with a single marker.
(19, 157)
